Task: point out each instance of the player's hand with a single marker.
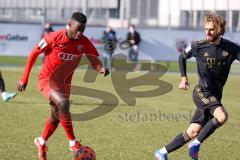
(21, 86)
(104, 71)
(184, 83)
(132, 41)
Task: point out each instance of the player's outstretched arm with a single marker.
(22, 84)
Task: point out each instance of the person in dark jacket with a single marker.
(134, 38)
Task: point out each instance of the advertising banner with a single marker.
(156, 45)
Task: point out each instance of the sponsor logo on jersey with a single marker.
(211, 62)
(66, 56)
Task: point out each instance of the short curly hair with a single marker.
(79, 17)
(216, 19)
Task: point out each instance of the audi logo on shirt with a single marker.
(66, 56)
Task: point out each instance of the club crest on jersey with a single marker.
(66, 56)
(80, 47)
(224, 53)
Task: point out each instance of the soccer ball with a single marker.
(85, 153)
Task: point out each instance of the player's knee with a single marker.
(63, 106)
(222, 118)
(193, 132)
(54, 115)
(54, 119)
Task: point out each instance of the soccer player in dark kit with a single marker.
(6, 96)
(214, 57)
(65, 46)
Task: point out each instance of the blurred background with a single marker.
(184, 14)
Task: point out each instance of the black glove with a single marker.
(107, 72)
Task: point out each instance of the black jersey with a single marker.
(213, 62)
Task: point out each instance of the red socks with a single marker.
(66, 122)
(49, 129)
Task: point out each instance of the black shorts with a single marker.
(206, 103)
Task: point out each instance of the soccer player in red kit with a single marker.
(64, 46)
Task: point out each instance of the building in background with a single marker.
(185, 14)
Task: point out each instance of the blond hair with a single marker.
(218, 20)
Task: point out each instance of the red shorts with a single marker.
(46, 90)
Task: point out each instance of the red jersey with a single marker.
(58, 49)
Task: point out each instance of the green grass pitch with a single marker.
(119, 134)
